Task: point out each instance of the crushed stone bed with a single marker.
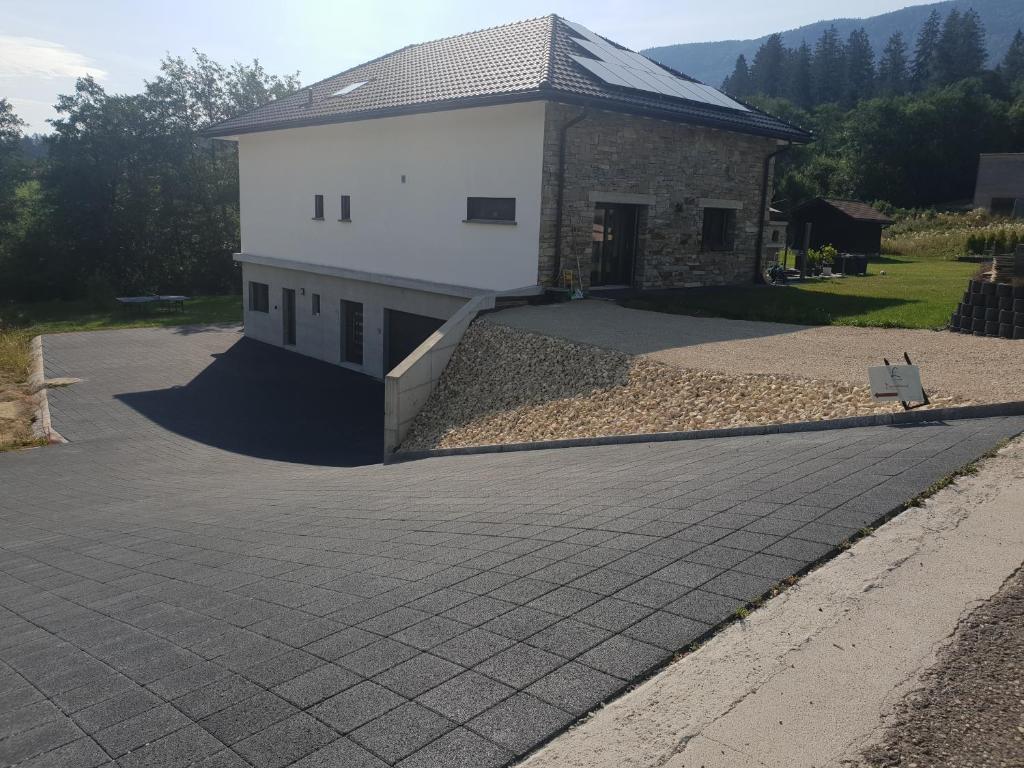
(506, 385)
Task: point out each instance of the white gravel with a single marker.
(508, 385)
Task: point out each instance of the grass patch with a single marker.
(913, 293)
(20, 322)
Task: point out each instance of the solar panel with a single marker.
(627, 69)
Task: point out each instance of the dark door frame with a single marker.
(288, 316)
(619, 266)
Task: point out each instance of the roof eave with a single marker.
(544, 92)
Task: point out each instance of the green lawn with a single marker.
(913, 293)
(63, 316)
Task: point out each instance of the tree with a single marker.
(738, 83)
(801, 90)
(828, 67)
(960, 52)
(12, 165)
(768, 71)
(1012, 66)
(892, 69)
(860, 67)
(923, 71)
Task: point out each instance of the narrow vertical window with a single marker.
(346, 208)
(352, 332)
(318, 206)
(316, 304)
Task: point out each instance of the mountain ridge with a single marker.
(712, 62)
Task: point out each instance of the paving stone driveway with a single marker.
(166, 601)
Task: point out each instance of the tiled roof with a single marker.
(523, 61)
(857, 210)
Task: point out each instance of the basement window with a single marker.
(316, 304)
(719, 229)
(346, 208)
(259, 297)
(491, 210)
(318, 207)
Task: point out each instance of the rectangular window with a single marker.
(316, 304)
(352, 332)
(318, 206)
(259, 297)
(491, 209)
(346, 208)
(719, 228)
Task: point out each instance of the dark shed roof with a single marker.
(853, 209)
(523, 61)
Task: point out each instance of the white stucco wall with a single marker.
(413, 229)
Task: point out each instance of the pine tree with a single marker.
(1012, 67)
(800, 87)
(768, 70)
(923, 72)
(738, 83)
(828, 67)
(860, 67)
(960, 52)
(892, 69)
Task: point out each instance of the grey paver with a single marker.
(215, 548)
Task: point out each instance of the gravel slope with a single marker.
(508, 385)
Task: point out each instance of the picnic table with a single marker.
(140, 303)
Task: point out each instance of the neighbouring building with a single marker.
(1000, 185)
(849, 226)
(376, 202)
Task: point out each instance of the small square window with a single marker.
(259, 297)
(316, 304)
(346, 208)
(318, 207)
(719, 229)
(491, 209)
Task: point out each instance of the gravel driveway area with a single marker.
(171, 601)
(981, 370)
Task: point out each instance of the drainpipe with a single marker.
(758, 276)
(560, 194)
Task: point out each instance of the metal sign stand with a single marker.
(904, 403)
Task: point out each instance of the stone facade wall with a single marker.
(675, 166)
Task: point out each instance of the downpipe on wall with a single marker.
(560, 194)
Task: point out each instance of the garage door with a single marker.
(406, 332)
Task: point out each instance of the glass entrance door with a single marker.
(614, 244)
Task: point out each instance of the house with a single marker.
(376, 202)
(1000, 185)
(849, 226)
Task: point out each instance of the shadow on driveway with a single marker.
(262, 401)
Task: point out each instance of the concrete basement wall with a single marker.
(409, 384)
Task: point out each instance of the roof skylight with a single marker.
(349, 88)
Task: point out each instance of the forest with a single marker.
(904, 131)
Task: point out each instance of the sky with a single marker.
(46, 44)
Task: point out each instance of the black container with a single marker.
(992, 328)
(1004, 290)
(978, 311)
(968, 296)
(975, 286)
(1006, 330)
(1005, 316)
(1018, 318)
(992, 315)
(979, 333)
(1018, 305)
(1005, 302)
(966, 324)
(988, 289)
(954, 321)
(1018, 291)
(1018, 331)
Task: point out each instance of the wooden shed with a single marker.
(848, 225)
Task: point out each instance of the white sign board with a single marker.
(896, 382)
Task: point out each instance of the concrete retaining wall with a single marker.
(409, 384)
